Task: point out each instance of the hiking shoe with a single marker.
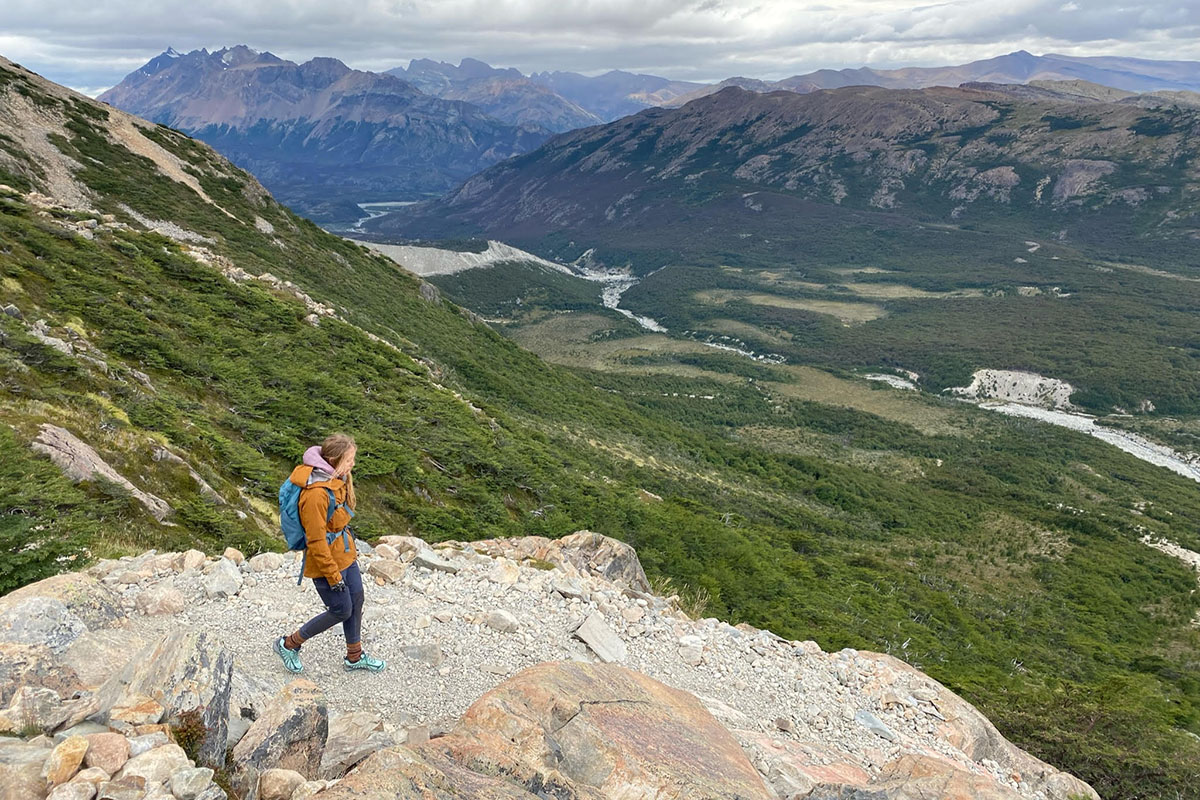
(365, 662)
(291, 658)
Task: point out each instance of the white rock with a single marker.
(223, 579)
(502, 621)
(595, 633)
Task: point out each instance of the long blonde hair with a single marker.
(334, 449)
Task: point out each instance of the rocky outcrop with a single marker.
(589, 553)
(494, 689)
(185, 671)
(80, 462)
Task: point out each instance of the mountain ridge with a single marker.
(320, 133)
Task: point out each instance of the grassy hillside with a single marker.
(999, 555)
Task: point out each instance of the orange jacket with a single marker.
(324, 560)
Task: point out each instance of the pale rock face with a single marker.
(609, 731)
(79, 462)
(386, 570)
(234, 555)
(33, 707)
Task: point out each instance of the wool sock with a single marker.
(353, 652)
(293, 641)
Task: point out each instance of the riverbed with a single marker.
(1139, 446)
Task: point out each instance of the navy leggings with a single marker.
(344, 607)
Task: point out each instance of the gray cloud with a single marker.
(91, 45)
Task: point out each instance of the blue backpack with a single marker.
(293, 530)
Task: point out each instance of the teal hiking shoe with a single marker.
(291, 658)
(366, 662)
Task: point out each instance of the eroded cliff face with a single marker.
(518, 668)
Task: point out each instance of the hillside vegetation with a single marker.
(998, 555)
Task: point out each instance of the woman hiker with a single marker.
(326, 505)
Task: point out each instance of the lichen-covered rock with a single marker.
(588, 552)
(224, 579)
(184, 671)
(159, 599)
(289, 734)
(568, 726)
(188, 784)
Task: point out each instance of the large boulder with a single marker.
(185, 671)
(601, 730)
(289, 734)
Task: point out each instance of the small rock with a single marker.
(569, 589)
(422, 622)
(445, 615)
(12, 311)
(146, 742)
(502, 621)
(156, 766)
(595, 633)
(633, 614)
(505, 572)
(692, 656)
(389, 571)
(387, 551)
(784, 724)
(875, 725)
(278, 784)
(131, 788)
(193, 559)
(187, 784)
(73, 791)
(137, 710)
(234, 555)
(223, 579)
(430, 561)
(64, 760)
(93, 775)
(106, 751)
(429, 654)
(265, 562)
(161, 599)
(494, 669)
(417, 735)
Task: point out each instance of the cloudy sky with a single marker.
(92, 44)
